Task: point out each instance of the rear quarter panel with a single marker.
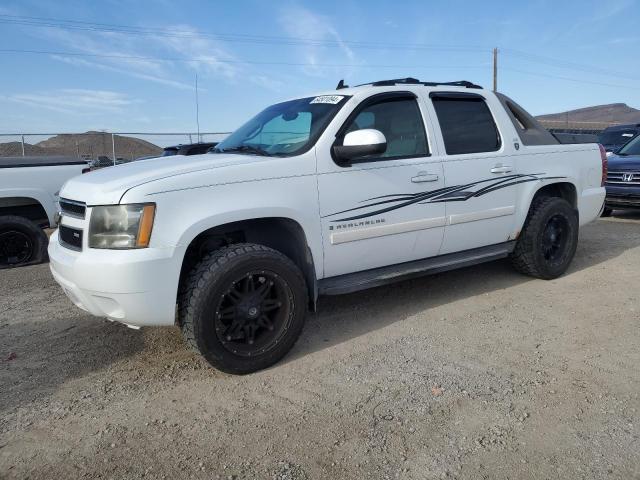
(578, 164)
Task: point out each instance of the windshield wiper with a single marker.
(244, 149)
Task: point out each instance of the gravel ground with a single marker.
(473, 374)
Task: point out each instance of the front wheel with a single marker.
(243, 307)
(22, 242)
(548, 240)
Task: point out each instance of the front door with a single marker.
(377, 212)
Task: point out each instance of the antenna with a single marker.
(197, 110)
(495, 69)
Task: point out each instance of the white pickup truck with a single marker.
(28, 193)
(321, 195)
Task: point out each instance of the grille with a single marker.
(623, 178)
(70, 237)
(72, 208)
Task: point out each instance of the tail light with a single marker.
(605, 164)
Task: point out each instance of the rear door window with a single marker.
(466, 123)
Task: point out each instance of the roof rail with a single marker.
(415, 81)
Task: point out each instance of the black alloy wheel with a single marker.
(554, 239)
(253, 313)
(15, 248)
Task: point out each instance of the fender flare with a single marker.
(45, 199)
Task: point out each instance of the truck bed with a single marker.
(49, 161)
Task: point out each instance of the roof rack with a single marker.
(415, 81)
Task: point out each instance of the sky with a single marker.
(120, 65)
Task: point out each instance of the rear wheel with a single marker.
(243, 307)
(22, 242)
(548, 240)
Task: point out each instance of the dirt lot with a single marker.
(479, 373)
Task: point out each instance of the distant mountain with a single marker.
(98, 143)
(14, 149)
(614, 113)
(91, 144)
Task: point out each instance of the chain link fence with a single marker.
(116, 147)
(568, 126)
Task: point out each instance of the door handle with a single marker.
(425, 177)
(501, 169)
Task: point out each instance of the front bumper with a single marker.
(134, 287)
(623, 197)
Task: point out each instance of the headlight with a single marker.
(121, 226)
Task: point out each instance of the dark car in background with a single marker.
(103, 161)
(623, 178)
(613, 138)
(188, 149)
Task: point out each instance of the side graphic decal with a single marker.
(456, 193)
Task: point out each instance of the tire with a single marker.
(548, 240)
(606, 212)
(22, 242)
(243, 307)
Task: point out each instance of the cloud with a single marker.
(75, 101)
(207, 52)
(164, 69)
(81, 62)
(267, 82)
(300, 22)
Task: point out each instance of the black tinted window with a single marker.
(400, 122)
(467, 125)
(616, 137)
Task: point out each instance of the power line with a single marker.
(530, 57)
(291, 41)
(229, 37)
(294, 41)
(210, 60)
(576, 80)
(300, 64)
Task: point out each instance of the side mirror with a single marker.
(360, 143)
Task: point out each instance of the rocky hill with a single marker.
(14, 149)
(613, 113)
(91, 144)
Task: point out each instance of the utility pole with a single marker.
(197, 110)
(495, 69)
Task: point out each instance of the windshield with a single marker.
(284, 129)
(616, 137)
(631, 148)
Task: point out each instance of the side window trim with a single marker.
(465, 95)
(372, 100)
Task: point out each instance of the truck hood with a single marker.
(107, 186)
(619, 163)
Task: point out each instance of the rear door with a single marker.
(479, 171)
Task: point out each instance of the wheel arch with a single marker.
(280, 233)
(565, 189)
(25, 206)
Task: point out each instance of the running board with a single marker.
(353, 282)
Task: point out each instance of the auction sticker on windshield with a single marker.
(332, 99)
